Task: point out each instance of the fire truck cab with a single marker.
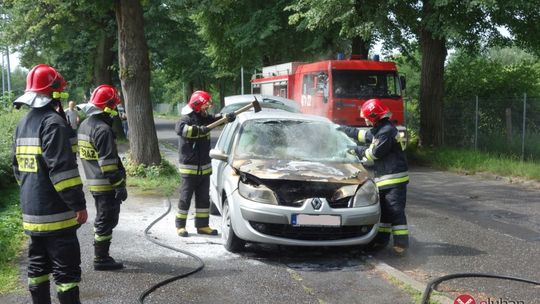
(335, 88)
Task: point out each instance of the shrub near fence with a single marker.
(495, 125)
(8, 123)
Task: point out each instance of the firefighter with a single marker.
(52, 200)
(195, 166)
(391, 171)
(103, 169)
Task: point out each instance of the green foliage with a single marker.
(155, 179)
(8, 123)
(11, 233)
(63, 34)
(500, 84)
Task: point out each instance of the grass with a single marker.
(11, 240)
(152, 180)
(412, 292)
(471, 162)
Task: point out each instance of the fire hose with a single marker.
(200, 263)
(432, 285)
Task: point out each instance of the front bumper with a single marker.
(264, 223)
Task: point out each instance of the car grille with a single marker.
(311, 233)
(295, 193)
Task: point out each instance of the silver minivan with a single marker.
(291, 179)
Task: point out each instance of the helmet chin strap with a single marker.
(110, 111)
(57, 106)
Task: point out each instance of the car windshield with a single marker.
(365, 84)
(294, 140)
(266, 103)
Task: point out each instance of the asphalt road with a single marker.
(464, 224)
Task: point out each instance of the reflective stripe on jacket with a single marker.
(102, 166)
(46, 169)
(386, 152)
(194, 146)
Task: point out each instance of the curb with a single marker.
(406, 279)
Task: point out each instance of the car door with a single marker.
(216, 179)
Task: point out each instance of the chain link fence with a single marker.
(506, 125)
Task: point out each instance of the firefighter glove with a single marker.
(358, 150)
(230, 116)
(203, 129)
(120, 193)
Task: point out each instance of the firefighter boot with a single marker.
(41, 293)
(401, 243)
(380, 241)
(206, 230)
(102, 259)
(69, 296)
(181, 231)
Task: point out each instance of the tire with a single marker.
(232, 242)
(213, 209)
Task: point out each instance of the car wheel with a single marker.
(213, 209)
(232, 242)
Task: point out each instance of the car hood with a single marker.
(347, 173)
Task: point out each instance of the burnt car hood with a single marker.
(347, 173)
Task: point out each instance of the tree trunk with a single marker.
(104, 59)
(431, 88)
(135, 78)
(360, 47)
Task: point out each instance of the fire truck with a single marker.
(336, 88)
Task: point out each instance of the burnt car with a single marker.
(291, 179)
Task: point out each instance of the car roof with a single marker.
(228, 100)
(268, 114)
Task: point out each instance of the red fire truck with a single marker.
(335, 88)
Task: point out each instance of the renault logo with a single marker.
(316, 203)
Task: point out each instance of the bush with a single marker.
(157, 179)
(8, 123)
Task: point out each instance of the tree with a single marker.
(357, 21)
(135, 77)
(74, 37)
(439, 25)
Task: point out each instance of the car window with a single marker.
(222, 141)
(293, 140)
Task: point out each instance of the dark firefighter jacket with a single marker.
(45, 166)
(194, 145)
(386, 152)
(103, 168)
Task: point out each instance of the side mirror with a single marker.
(403, 82)
(219, 155)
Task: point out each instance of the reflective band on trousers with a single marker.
(391, 179)
(101, 238)
(195, 170)
(63, 287)
(49, 226)
(400, 230)
(38, 280)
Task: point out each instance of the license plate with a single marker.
(315, 220)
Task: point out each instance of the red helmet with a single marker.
(105, 96)
(198, 100)
(374, 110)
(45, 80)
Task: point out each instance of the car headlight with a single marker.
(366, 195)
(259, 194)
